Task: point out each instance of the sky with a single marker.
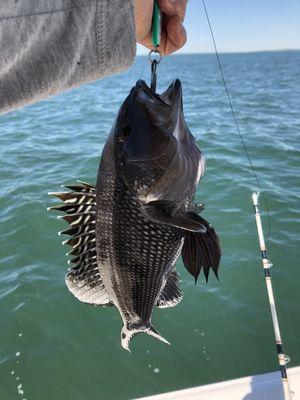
(242, 25)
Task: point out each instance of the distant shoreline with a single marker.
(232, 52)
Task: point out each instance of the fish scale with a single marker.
(143, 257)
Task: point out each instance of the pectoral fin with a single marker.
(201, 250)
(158, 211)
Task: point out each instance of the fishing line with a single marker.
(283, 359)
(236, 123)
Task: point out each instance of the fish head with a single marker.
(152, 140)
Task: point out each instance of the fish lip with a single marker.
(175, 86)
(142, 85)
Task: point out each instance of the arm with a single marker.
(47, 47)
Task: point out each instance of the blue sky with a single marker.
(242, 25)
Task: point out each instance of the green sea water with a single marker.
(54, 347)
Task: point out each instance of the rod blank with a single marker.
(282, 358)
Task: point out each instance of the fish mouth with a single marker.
(152, 119)
(169, 97)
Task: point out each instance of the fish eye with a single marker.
(124, 134)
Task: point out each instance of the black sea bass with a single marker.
(128, 232)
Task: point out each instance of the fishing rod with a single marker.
(283, 359)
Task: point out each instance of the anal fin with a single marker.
(171, 294)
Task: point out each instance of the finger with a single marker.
(173, 7)
(143, 17)
(147, 41)
(173, 36)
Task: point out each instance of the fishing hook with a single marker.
(154, 58)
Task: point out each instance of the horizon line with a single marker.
(226, 52)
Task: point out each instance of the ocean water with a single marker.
(54, 347)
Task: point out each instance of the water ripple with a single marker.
(60, 140)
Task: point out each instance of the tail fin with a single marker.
(128, 332)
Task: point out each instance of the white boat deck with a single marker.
(256, 387)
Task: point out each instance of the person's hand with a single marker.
(173, 34)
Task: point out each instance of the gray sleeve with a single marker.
(47, 47)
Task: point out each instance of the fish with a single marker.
(128, 231)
